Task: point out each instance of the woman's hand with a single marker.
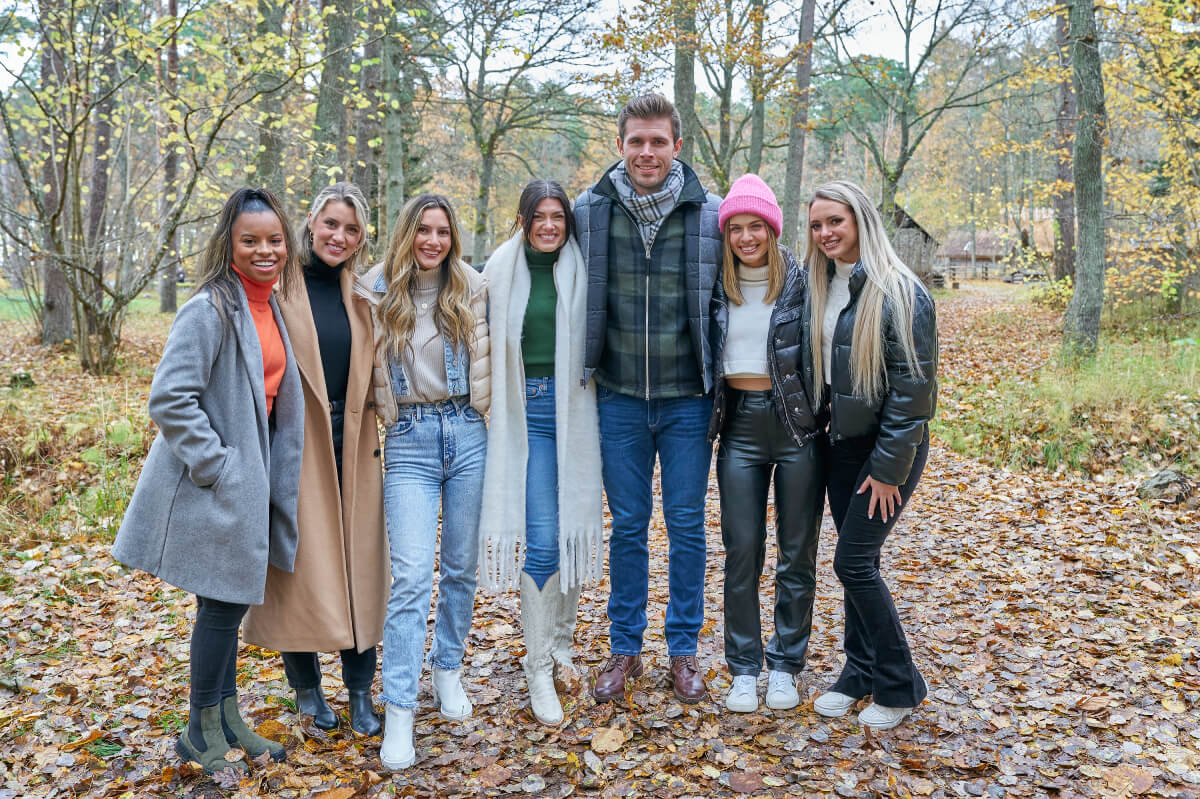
(886, 496)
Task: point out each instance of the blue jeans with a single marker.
(433, 456)
(632, 433)
(541, 481)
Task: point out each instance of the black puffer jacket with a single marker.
(899, 418)
(789, 356)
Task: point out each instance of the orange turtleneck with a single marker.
(258, 297)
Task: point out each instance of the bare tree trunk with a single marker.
(482, 197)
(685, 75)
(1064, 200)
(101, 156)
(368, 139)
(793, 178)
(168, 300)
(58, 322)
(269, 168)
(397, 106)
(758, 100)
(329, 128)
(1081, 331)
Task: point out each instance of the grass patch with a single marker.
(1136, 406)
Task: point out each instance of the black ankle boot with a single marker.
(311, 701)
(363, 719)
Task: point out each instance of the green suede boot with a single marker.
(238, 733)
(204, 723)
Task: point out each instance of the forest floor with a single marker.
(1055, 616)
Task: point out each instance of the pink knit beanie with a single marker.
(749, 195)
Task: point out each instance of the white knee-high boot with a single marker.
(565, 619)
(538, 618)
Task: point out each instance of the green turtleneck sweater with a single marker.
(537, 334)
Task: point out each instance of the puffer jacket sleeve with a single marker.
(480, 371)
(911, 399)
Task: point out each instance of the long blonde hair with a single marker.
(353, 196)
(776, 269)
(891, 287)
(397, 311)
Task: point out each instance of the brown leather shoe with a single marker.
(610, 682)
(686, 679)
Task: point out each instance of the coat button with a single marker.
(376, 453)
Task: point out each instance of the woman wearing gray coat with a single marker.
(216, 500)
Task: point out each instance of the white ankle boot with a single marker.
(449, 694)
(539, 623)
(397, 751)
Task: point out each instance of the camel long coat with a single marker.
(336, 597)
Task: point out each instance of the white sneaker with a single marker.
(878, 717)
(397, 751)
(831, 704)
(743, 694)
(781, 690)
(449, 693)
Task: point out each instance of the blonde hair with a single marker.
(890, 288)
(776, 269)
(215, 272)
(352, 196)
(397, 311)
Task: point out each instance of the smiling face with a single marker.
(748, 239)
(833, 228)
(432, 243)
(259, 246)
(648, 147)
(336, 234)
(548, 231)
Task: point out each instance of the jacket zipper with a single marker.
(646, 329)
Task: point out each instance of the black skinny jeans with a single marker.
(214, 651)
(756, 448)
(878, 660)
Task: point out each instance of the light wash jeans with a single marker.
(541, 481)
(433, 456)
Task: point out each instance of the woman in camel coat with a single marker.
(336, 598)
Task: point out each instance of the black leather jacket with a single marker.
(899, 418)
(789, 356)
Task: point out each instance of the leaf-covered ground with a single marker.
(1055, 619)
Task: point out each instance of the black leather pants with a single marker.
(756, 449)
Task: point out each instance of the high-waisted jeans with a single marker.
(878, 660)
(756, 450)
(541, 481)
(433, 459)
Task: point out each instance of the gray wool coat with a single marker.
(216, 500)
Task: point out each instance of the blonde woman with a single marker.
(334, 600)
(432, 392)
(875, 360)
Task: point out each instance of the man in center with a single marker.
(649, 235)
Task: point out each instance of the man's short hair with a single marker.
(650, 106)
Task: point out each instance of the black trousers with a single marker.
(878, 660)
(755, 449)
(304, 670)
(214, 651)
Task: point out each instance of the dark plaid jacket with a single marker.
(639, 307)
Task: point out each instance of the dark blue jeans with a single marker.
(633, 432)
(541, 481)
(878, 660)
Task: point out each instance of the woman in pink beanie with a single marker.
(769, 430)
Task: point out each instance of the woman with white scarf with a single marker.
(541, 524)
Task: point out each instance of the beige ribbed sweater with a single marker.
(425, 360)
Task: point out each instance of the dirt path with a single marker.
(1055, 621)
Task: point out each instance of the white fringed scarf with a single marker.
(577, 430)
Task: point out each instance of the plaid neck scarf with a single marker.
(649, 210)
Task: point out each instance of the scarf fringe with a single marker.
(580, 556)
(500, 562)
